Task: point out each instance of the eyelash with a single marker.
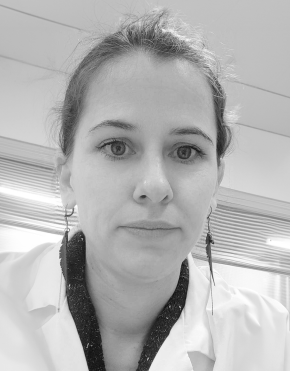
(200, 153)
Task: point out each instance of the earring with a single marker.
(209, 240)
(63, 247)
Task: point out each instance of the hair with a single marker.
(162, 35)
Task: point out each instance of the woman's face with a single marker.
(150, 172)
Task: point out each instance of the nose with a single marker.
(153, 182)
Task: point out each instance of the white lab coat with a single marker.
(248, 332)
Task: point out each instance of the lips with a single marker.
(150, 225)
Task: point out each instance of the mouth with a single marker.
(151, 225)
(150, 233)
(151, 229)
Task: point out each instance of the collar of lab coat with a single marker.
(243, 323)
(190, 333)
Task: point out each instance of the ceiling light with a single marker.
(31, 196)
(279, 242)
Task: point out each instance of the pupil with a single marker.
(117, 146)
(183, 151)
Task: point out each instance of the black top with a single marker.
(73, 263)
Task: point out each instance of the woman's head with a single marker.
(141, 143)
(158, 34)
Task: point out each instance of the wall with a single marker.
(27, 95)
(259, 164)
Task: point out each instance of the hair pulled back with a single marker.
(163, 36)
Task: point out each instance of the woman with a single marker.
(143, 133)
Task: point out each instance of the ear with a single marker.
(63, 169)
(220, 175)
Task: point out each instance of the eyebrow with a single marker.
(188, 130)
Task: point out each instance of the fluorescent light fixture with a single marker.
(30, 196)
(279, 242)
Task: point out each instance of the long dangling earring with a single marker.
(64, 242)
(209, 240)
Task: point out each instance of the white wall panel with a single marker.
(37, 41)
(27, 95)
(259, 164)
(260, 109)
(255, 34)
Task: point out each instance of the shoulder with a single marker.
(21, 346)
(18, 269)
(8, 257)
(247, 325)
(242, 301)
(16, 259)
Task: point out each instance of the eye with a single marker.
(187, 154)
(184, 152)
(117, 147)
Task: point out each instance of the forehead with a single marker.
(149, 90)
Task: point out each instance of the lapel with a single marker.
(196, 327)
(57, 327)
(191, 333)
(172, 355)
(63, 341)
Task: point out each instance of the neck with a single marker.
(125, 307)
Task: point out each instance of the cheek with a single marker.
(196, 195)
(98, 193)
(195, 209)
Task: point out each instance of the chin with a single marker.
(148, 262)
